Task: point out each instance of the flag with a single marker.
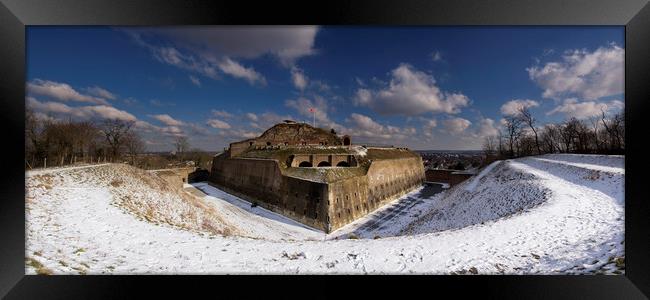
(311, 109)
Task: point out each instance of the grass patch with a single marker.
(40, 269)
(44, 186)
(620, 262)
(80, 250)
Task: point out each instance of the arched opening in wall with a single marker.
(343, 164)
(324, 164)
(268, 143)
(305, 164)
(346, 140)
(250, 143)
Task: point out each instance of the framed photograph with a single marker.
(481, 144)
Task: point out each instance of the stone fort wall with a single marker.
(452, 177)
(260, 181)
(326, 206)
(385, 181)
(175, 177)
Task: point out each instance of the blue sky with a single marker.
(421, 87)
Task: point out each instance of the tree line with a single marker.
(50, 143)
(521, 135)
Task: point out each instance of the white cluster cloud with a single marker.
(299, 78)
(174, 57)
(167, 120)
(252, 117)
(165, 131)
(235, 134)
(81, 112)
(319, 105)
(512, 107)
(582, 110)
(64, 92)
(210, 50)
(287, 43)
(588, 75)
(410, 92)
(207, 67)
(195, 80)
(222, 113)
(486, 128)
(172, 130)
(265, 120)
(100, 92)
(365, 123)
(197, 129)
(370, 130)
(456, 125)
(428, 126)
(236, 70)
(214, 123)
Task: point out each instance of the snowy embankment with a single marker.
(552, 214)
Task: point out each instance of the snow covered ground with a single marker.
(552, 214)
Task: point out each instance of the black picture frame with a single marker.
(16, 14)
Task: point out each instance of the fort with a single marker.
(314, 176)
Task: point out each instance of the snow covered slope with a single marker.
(538, 215)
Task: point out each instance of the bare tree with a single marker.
(33, 137)
(115, 130)
(489, 145)
(134, 145)
(501, 148)
(568, 134)
(513, 132)
(615, 128)
(550, 138)
(595, 134)
(528, 119)
(87, 133)
(181, 144)
(583, 137)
